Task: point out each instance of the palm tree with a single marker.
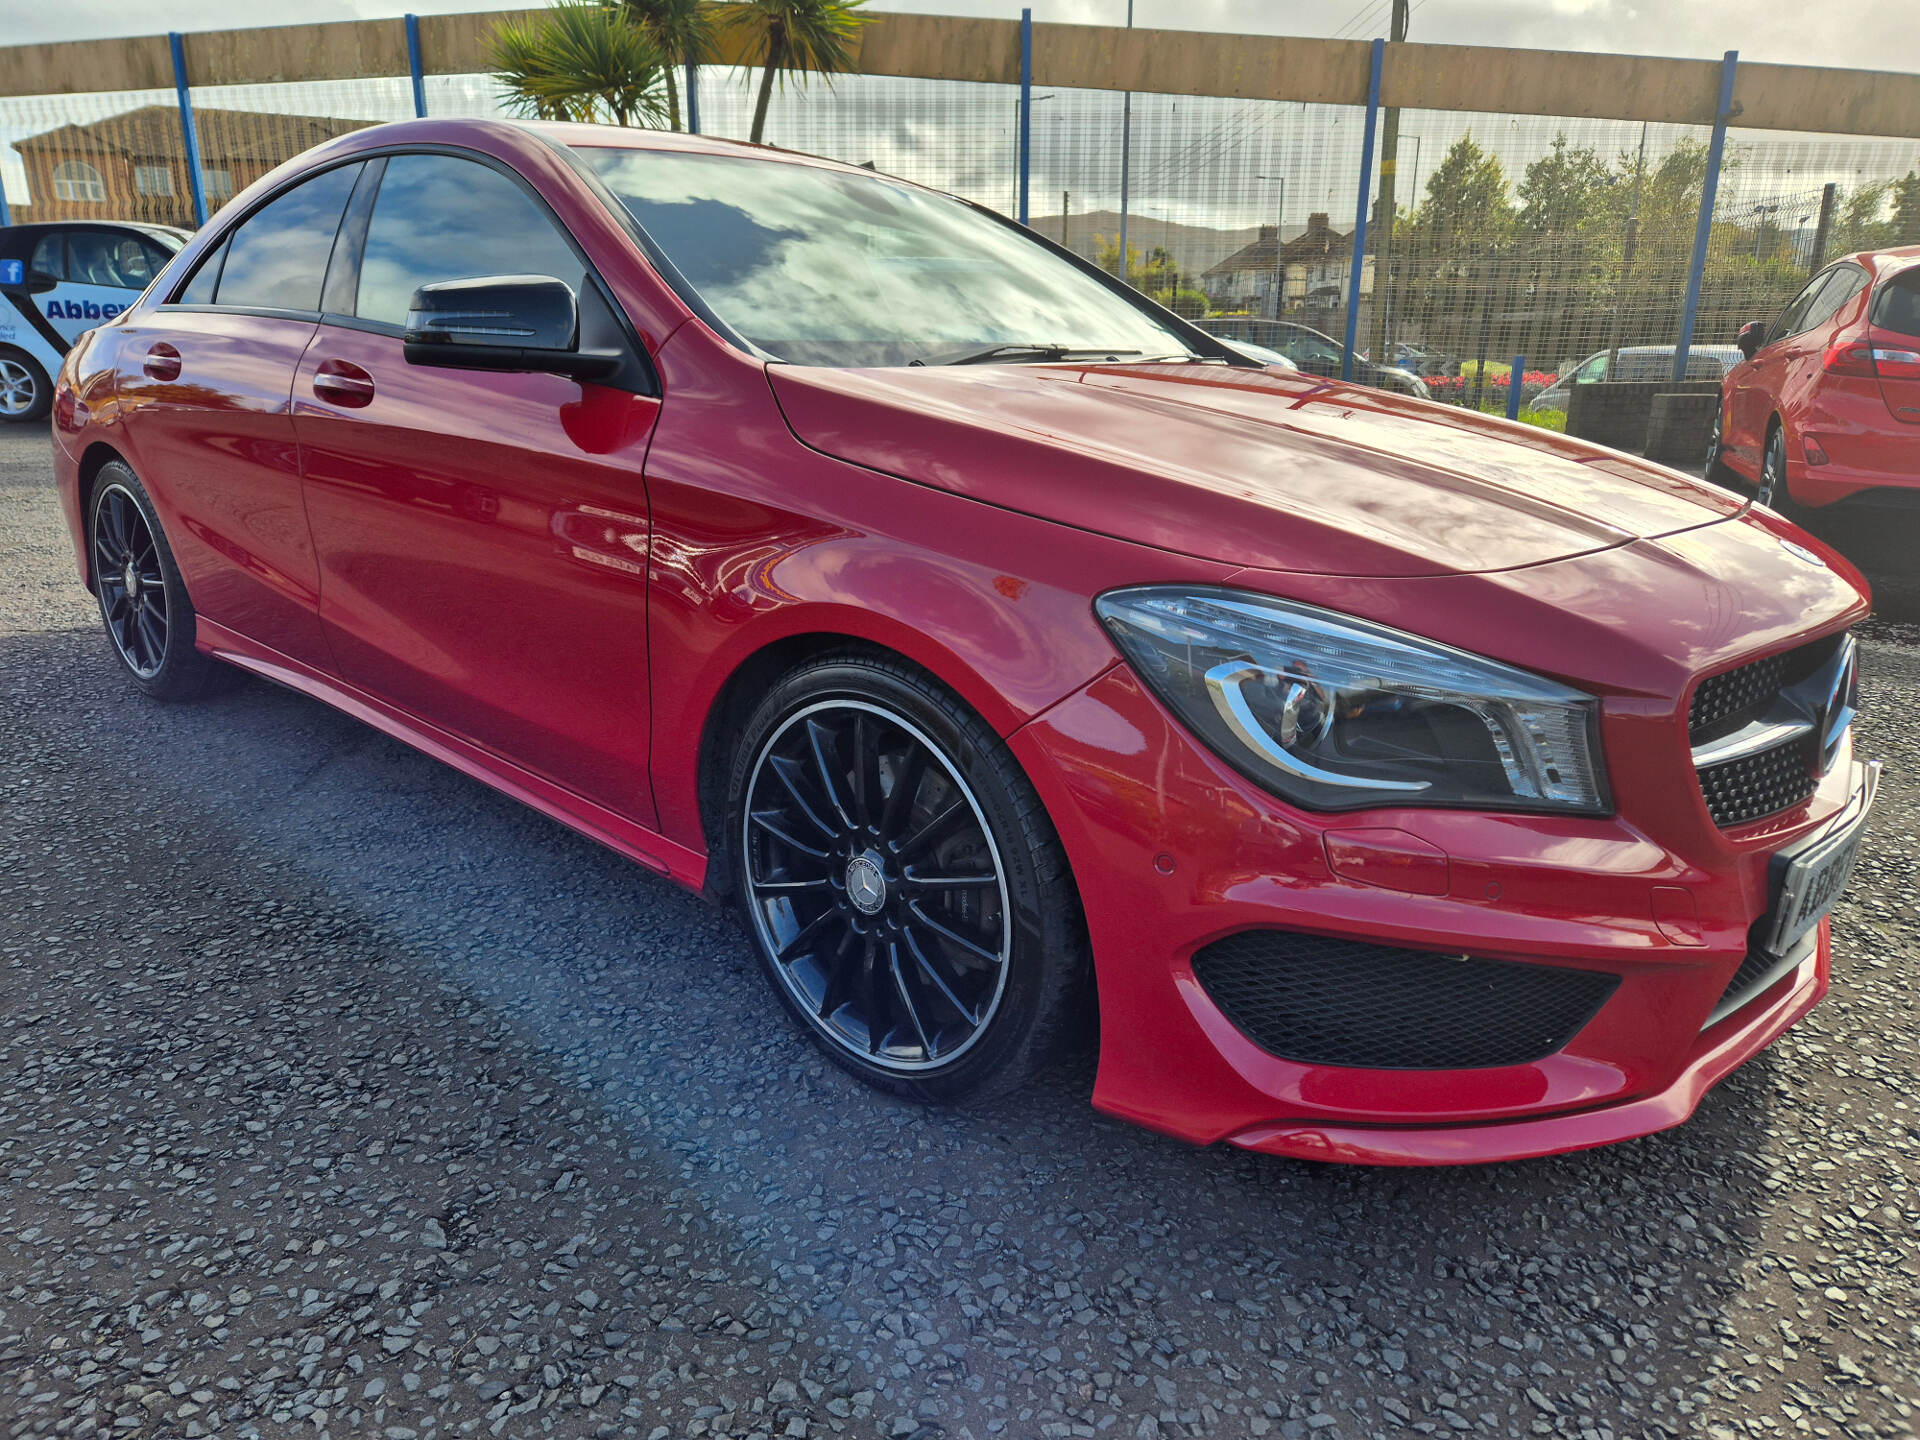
(683, 30)
(581, 60)
(798, 37)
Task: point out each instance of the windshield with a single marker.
(820, 267)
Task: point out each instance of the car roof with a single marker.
(34, 229)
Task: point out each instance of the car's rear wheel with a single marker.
(907, 896)
(143, 601)
(25, 391)
(1772, 490)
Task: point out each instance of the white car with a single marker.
(1637, 362)
(58, 280)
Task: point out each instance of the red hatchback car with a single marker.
(1395, 784)
(1826, 406)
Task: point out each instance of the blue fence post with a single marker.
(1513, 386)
(195, 181)
(1026, 107)
(414, 68)
(1709, 187)
(693, 97)
(1360, 210)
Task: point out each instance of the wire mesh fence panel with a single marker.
(1564, 241)
(1787, 205)
(247, 130)
(105, 156)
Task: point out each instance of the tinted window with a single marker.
(441, 218)
(278, 257)
(1898, 308)
(1790, 318)
(199, 290)
(113, 258)
(50, 255)
(1847, 282)
(824, 267)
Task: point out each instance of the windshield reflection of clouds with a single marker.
(823, 268)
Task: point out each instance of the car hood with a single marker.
(1259, 468)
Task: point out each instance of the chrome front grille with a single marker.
(1762, 735)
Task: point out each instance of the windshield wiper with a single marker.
(1020, 352)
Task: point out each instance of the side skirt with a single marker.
(636, 842)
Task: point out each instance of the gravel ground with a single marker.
(345, 1097)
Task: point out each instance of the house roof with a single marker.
(153, 132)
(1268, 252)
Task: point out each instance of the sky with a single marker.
(1862, 34)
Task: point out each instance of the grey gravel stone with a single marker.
(246, 937)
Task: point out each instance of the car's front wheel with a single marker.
(143, 600)
(907, 895)
(25, 391)
(1718, 471)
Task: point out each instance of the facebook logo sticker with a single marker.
(13, 272)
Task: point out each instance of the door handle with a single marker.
(343, 383)
(162, 362)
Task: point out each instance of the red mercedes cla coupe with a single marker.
(1395, 784)
(1826, 406)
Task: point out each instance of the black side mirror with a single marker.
(502, 322)
(1752, 336)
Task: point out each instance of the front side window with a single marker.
(1790, 318)
(1594, 369)
(821, 267)
(153, 179)
(277, 259)
(438, 217)
(77, 180)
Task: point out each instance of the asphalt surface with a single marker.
(342, 1096)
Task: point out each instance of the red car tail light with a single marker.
(1850, 357)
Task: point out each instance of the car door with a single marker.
(482, 536)
(1755, 385)
(204, 381)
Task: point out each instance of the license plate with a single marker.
(1814, 872)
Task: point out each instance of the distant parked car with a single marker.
(58, 280)
(1637, 362)
(1271, 358)
(1312, 352)
(1825, 404)
(1423, 361)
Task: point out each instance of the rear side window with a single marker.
(438, 217)
(277, 259)
(50, 256)
(1898, 308)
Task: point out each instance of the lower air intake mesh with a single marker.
(1342, 1002)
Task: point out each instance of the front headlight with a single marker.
(1334, 713)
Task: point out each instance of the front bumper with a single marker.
(1173, 851)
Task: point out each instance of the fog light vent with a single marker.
(1343, 1002)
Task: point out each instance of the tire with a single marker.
(26, 394)
(131, 564)
(1771, 490)
(1717, 470)
(937, 959)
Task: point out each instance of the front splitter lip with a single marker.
(1724, 1048)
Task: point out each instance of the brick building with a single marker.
(133, 166)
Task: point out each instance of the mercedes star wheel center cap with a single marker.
(132, 579)
(866, 885)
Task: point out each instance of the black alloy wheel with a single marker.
(906, 895)
(143, 600)
(1716, 463)
(133, 592)
(1772, 490)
